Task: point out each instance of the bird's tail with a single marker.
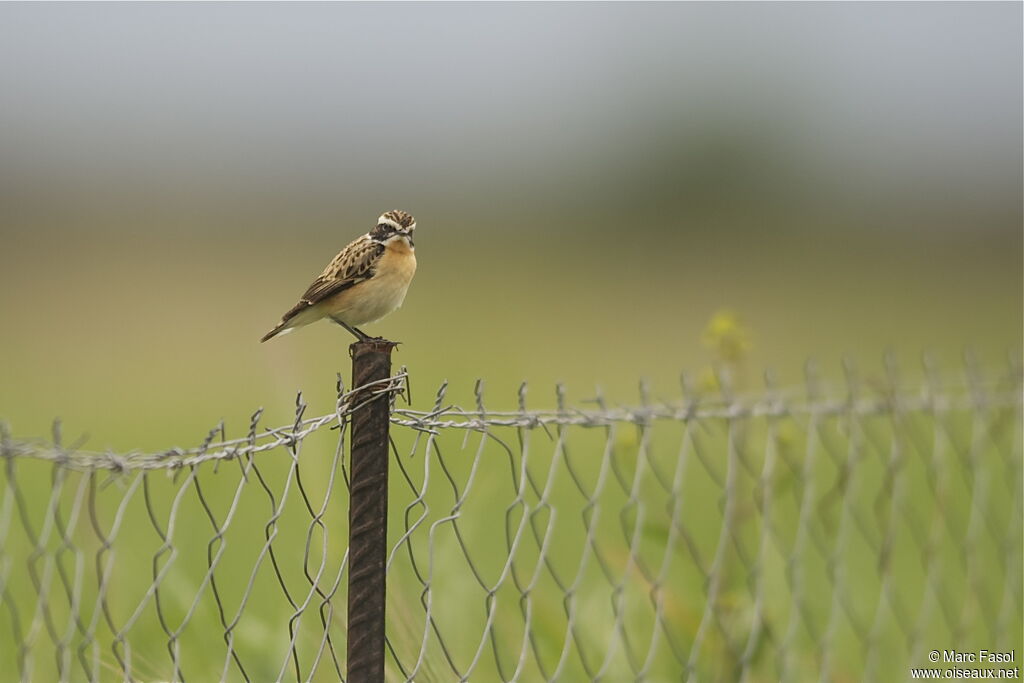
(281, 328)
(301, 315)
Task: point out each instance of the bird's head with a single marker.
(394, 224)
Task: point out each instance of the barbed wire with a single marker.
(256, 441)
(827, 531)
(970, 393)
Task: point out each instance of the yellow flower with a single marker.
(724, 335)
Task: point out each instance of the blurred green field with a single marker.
(146, 341)
(143, 343)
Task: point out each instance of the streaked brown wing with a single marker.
(354, 264)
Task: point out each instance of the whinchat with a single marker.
(366, 280)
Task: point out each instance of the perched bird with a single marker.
(367, 280)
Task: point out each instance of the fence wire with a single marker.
(829, 532)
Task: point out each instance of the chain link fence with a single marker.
(835, 532)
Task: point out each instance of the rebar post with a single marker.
(368, 514)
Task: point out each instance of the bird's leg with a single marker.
(359, 334)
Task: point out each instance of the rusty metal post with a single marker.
(368, 516)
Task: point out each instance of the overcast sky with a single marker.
(277, 97)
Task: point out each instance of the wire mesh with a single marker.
(830, 532)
